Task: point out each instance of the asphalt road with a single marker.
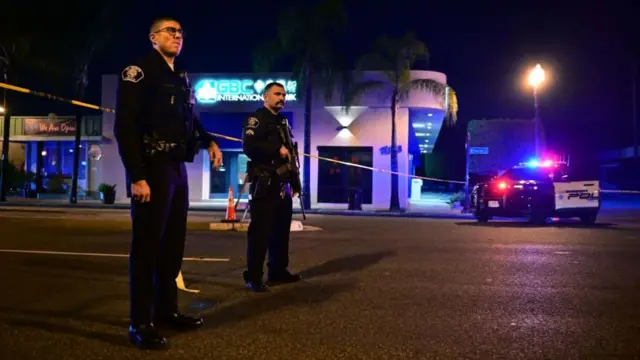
(375, 288)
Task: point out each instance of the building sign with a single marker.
(479, 151)
(49, 126)
(386, 150)
(210, 91)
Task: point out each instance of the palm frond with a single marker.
(290, 26)
(266, 54)
(443, 94)
(329, 16)
(410, 50)
(451, 116)
(353, 91)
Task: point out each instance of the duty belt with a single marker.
(154, 146)
(281, 172)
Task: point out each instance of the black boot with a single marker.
(284, 277)
(179, 321)
(254, 285)
(146, 337)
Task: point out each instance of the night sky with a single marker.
(485, 48)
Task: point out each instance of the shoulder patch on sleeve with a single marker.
(132, 73)
(252, 123)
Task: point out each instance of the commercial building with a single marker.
(42, 147)
(361, 136)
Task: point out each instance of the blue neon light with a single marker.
(210, 91)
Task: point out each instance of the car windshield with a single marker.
(532, 173)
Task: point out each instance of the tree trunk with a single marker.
(73, 196)
(306, 168)
(395, 199)
(80, 90)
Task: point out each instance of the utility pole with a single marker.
(466, 177)
(536, 124)
(634, 110)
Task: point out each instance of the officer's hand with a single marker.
(284, 152)
(140, 191)
(215, 155)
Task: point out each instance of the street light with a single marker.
(536, 78)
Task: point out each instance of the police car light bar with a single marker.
(536, 163)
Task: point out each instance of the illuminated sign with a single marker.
(211, 91)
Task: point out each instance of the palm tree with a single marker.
(395, 57)
(308, 37)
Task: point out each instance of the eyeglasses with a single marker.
(172, 31)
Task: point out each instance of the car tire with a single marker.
(588, 219)
(481, 214)
(482, 217)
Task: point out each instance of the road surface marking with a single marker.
(102, 255)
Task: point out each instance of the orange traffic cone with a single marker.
(231, 210)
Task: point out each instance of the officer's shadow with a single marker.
(56, 321)
(350, 263)
(303, 293)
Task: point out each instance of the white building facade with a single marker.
(363, 136)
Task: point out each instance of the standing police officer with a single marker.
(271, 197)
(157, 132)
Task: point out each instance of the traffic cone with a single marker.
(230, 217)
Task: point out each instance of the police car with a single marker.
(537, 190)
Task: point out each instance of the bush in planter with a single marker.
(457, 199)
(107, 193)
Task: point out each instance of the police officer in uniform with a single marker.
(271, 197)
(157, 132)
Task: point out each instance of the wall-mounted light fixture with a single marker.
(345, 119)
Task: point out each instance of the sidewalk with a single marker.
(612, 206)
(417, 210)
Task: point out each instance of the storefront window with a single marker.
(336, 180)
(54, 159)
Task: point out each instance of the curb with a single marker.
(366, 213)
(373, 213)
(296, 226)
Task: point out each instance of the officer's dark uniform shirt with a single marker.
(261, 140)
(153, 99)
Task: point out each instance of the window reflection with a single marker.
(52, 162)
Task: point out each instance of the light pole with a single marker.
(536, 78)
(5, 136)
(634, 115)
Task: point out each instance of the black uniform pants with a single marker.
(269, 229)
(157, 248)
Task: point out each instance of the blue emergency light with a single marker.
(534, 163)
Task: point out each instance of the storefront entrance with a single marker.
(232, 173)
(335, 181)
